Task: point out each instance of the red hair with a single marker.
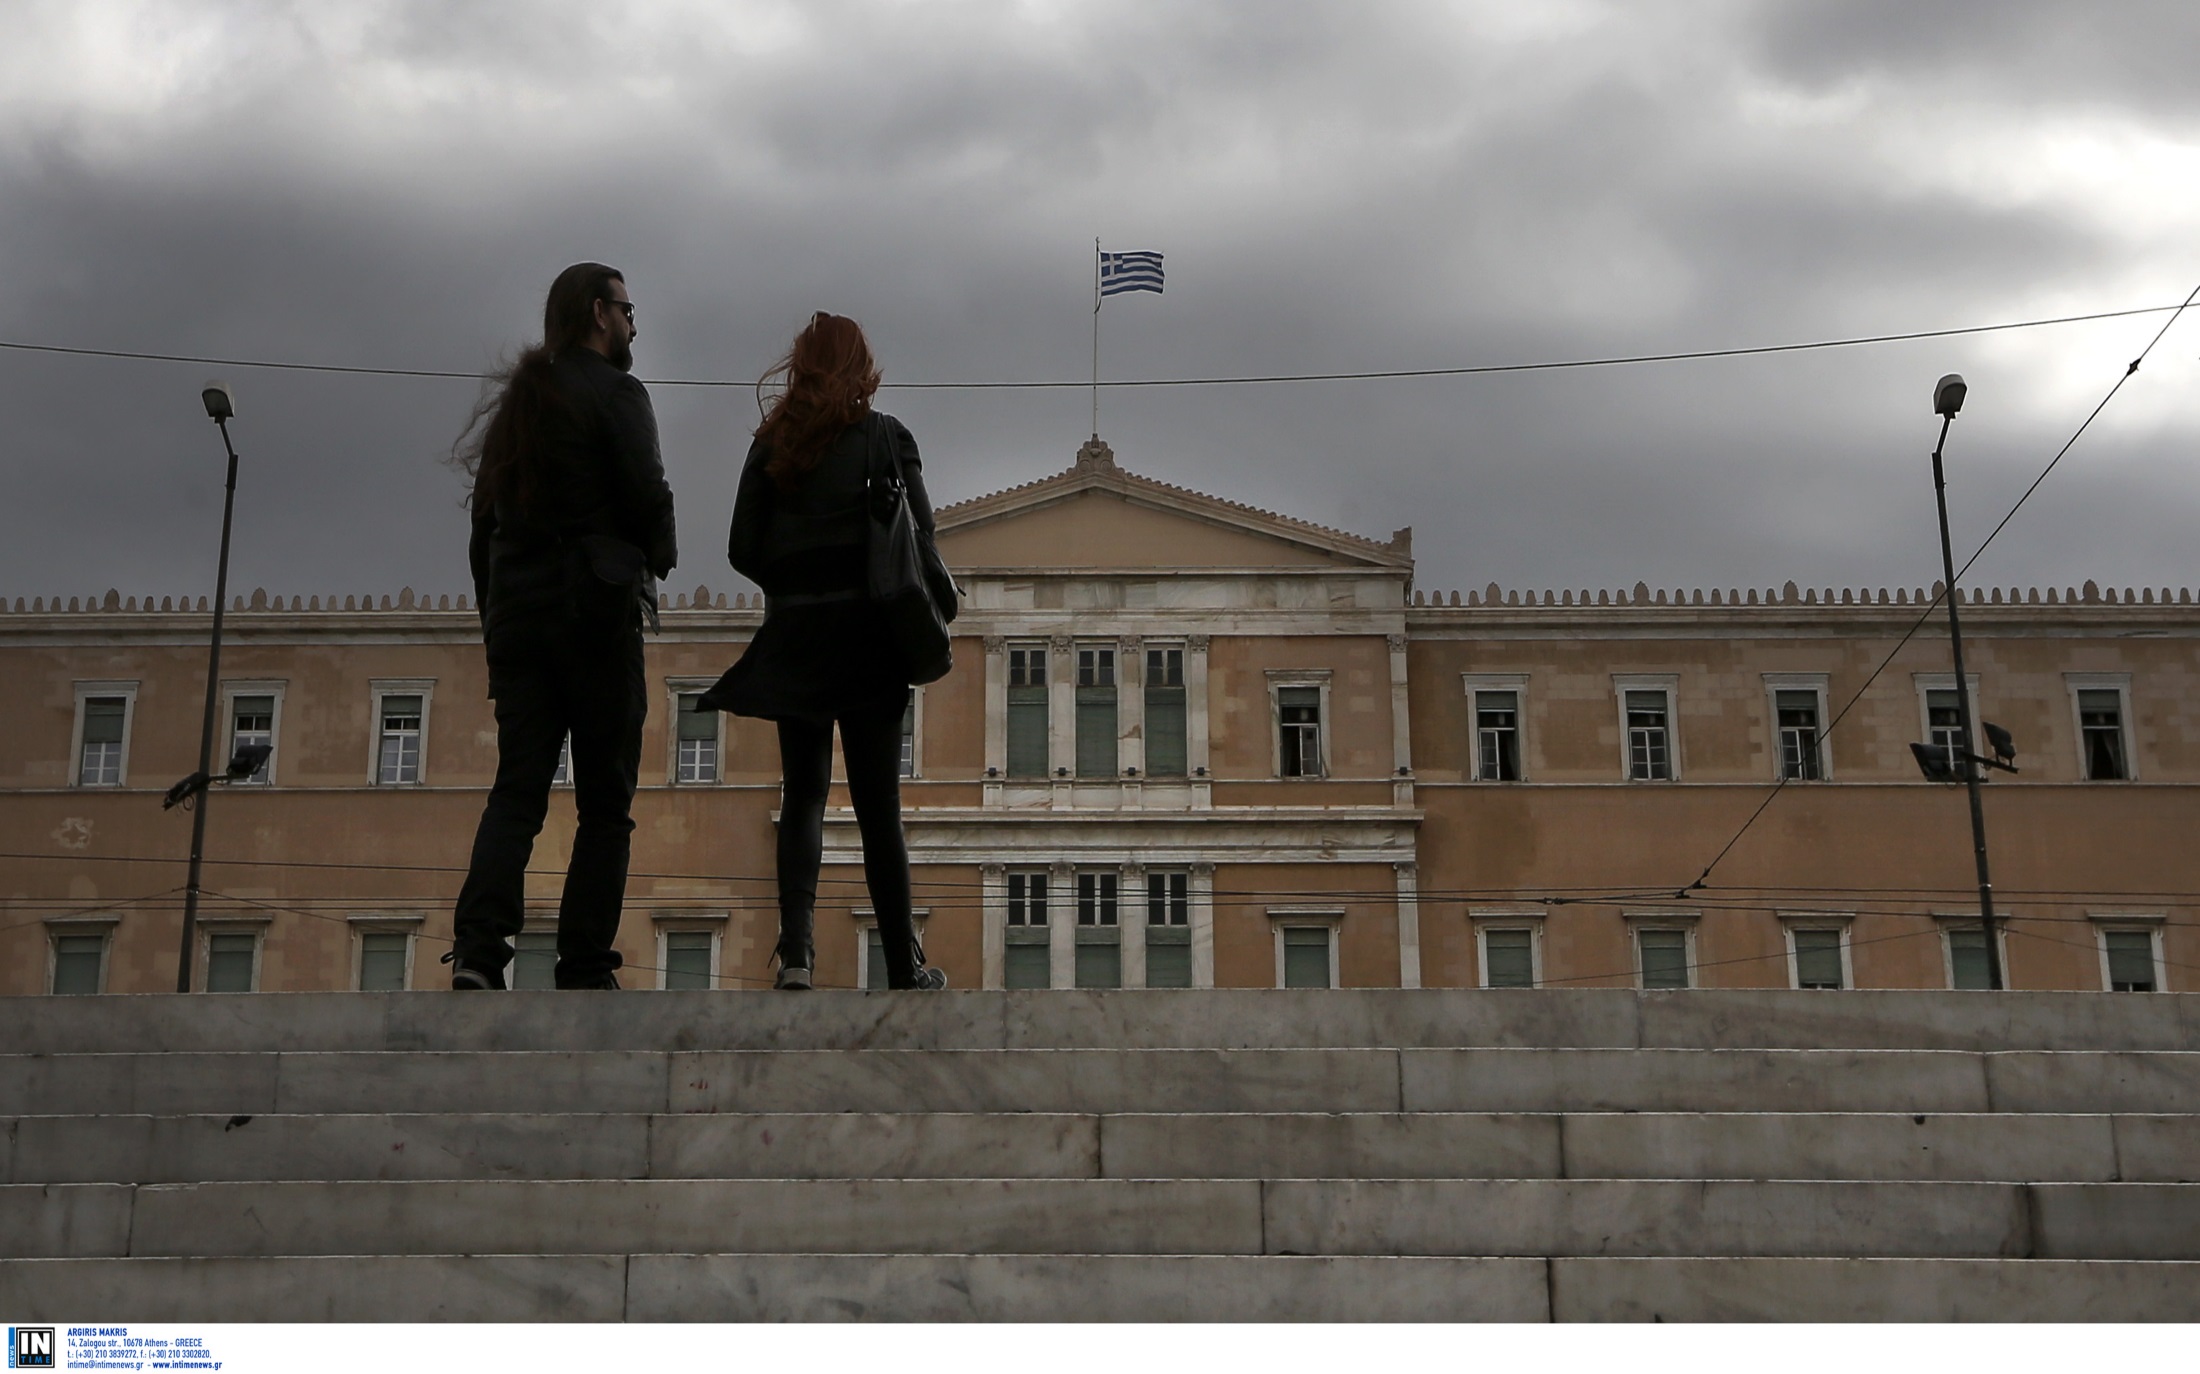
(830, 378)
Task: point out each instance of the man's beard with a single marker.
(622, 354)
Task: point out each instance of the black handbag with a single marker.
(907, 579)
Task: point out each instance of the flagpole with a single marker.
(1096, 339)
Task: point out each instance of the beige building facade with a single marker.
(1186, 743)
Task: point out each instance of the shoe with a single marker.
(467, 977)
(929, 980)
(603, 982)
(792, 978)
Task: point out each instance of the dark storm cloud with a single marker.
(1337, 187)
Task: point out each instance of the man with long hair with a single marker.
(572, 525)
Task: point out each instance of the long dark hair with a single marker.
(520, 401)
(830, 378)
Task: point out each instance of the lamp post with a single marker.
(1948, 395)
(220, 408)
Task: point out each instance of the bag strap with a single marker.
(881, 436)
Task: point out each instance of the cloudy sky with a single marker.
(1338, 187)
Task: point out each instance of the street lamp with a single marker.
(1948, 394)
(221, 407)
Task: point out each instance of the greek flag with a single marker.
(1120, 272)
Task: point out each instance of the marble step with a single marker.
(2004, 1147)
(1071, 1019)
(1096, 1288)
(1104, 1080)
(1458, 1217)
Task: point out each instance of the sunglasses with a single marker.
(627, 306)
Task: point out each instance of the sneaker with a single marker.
(929, 980)
(603, 982)
(792, 978)
(467, 977)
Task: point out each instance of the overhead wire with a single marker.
(1943, 592)
(1084, 384)
(1615, 894)
(1596, 897)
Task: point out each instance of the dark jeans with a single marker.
(871, 745)
(578, 672)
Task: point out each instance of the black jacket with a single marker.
(812, 539)
(599, 475)
(832, 658)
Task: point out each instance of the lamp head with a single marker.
(1948, 394)
(220, 405)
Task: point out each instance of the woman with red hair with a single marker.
(824, 655)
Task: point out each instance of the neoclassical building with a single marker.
(1186, 743)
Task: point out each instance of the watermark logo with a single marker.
(30, 1347)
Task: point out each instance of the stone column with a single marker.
(1203, 925)
(1061, 716)
(1409, 923)
(1130, 720)
(1062, 926)
(993, 912)
(1401, 733)
(1130, 916)
(996, 718)
(1195, 737)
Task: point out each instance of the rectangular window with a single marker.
(1299, 725)
(2101, 722)
(697, 760)
(230, 958)
(1944, 722)
(1026, 960)
(874, 958)
(1027, 898)
(1168, 899)
(1099, 933)
(1095, 711)
(252, 722)
(1306, 957)
(1799, 761)
(1664, 958)
(383, 958)
(1027, 710)
(1817, 958)
(1509, 958)
(1967, 958)
(1167, 755)
(1096, 904)
(688, 962)
(1497, 736)
(1168, 930)
(101, 763)
(564, 775)
(534, 960)
(79, 963)
(908, 764)
(2130, 960)
(399, 754)
(1649, 739)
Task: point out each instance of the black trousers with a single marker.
(871, 745)
(580, 672)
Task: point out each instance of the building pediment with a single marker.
(1096, 515)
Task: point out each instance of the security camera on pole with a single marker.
(1948, 396)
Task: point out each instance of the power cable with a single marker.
(1544, 895)
(2128, 373)
(1083, 384)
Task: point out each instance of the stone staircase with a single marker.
(1337, 1156)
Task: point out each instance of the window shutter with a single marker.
(1306, 956)
(2130, 961)
(1511, 955)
